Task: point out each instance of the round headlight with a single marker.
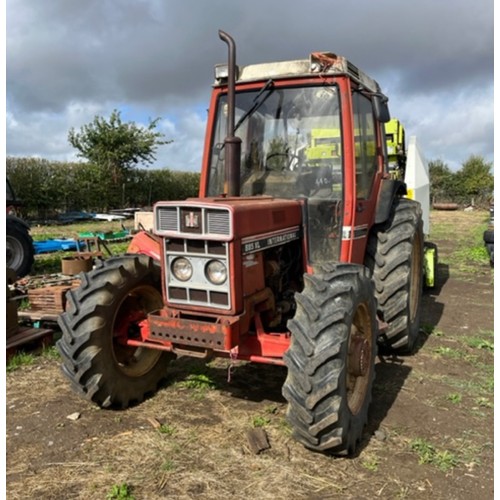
(216, 272)
(182, 269)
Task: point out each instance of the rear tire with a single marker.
(395, 257)
(100, 315)
(489, 236)
(331, 359)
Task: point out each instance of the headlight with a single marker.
(216, 272)
(182, 269)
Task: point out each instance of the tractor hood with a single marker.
(226, 218)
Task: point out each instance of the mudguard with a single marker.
(389, 189)
(145, 243)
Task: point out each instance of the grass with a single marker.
(468, 249)
(468, 257)
(370, 463)
(449, 352)
(198, 381)
(480, 342)
(166, 429)
(444, 460)
(259, 421)
(120, 492)
(20, 359)
(51, 352)
(454, 397)
(484, 402)
(168, 466)
(478, 384)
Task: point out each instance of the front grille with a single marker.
(194, 221)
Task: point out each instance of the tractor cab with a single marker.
(310, 130)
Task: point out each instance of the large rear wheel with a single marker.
(395, 257)
(331, 359)
(101, 315)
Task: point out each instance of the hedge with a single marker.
(47, 187)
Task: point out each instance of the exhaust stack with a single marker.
(232, 144)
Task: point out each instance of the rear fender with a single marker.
(19, 221)
(389, 190)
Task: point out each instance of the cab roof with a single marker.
(319, 64)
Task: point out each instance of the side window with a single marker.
(365, 145)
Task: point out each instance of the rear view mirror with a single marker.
(381, 108)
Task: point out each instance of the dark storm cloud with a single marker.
(160, 54)
(64, 50)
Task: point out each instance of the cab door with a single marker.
(369, 168)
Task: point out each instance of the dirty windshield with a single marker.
(290, 142)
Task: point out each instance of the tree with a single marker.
(475, 180)
(442, 181)
(115, 145)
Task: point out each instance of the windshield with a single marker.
(291, 148)
(288, 134)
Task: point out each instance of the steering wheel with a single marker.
(290, 157)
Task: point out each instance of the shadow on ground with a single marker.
(432, 306)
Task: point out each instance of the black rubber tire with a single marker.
(20, 249)
(328, 388)
(489, 236)
(100, 368)
(395, 258)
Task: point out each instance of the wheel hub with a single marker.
(359, 356)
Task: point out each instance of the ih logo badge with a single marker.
(192, 220)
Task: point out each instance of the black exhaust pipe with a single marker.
(232, 144)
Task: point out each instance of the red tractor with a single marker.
(300, 250)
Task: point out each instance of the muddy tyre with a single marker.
(395, 258)
(489, 236)
(331, 359)
(100, 315)
(20, 250)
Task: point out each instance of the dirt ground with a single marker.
(430, 430)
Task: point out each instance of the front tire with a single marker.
(100, 315)
(331, 359)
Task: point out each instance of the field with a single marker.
(430, 430)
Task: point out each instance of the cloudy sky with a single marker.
(70, 60)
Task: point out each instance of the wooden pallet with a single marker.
(49, 300)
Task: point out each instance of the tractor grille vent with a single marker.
(218, 222)
(193, 221)
(167, 219)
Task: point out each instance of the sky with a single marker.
(68, 61)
